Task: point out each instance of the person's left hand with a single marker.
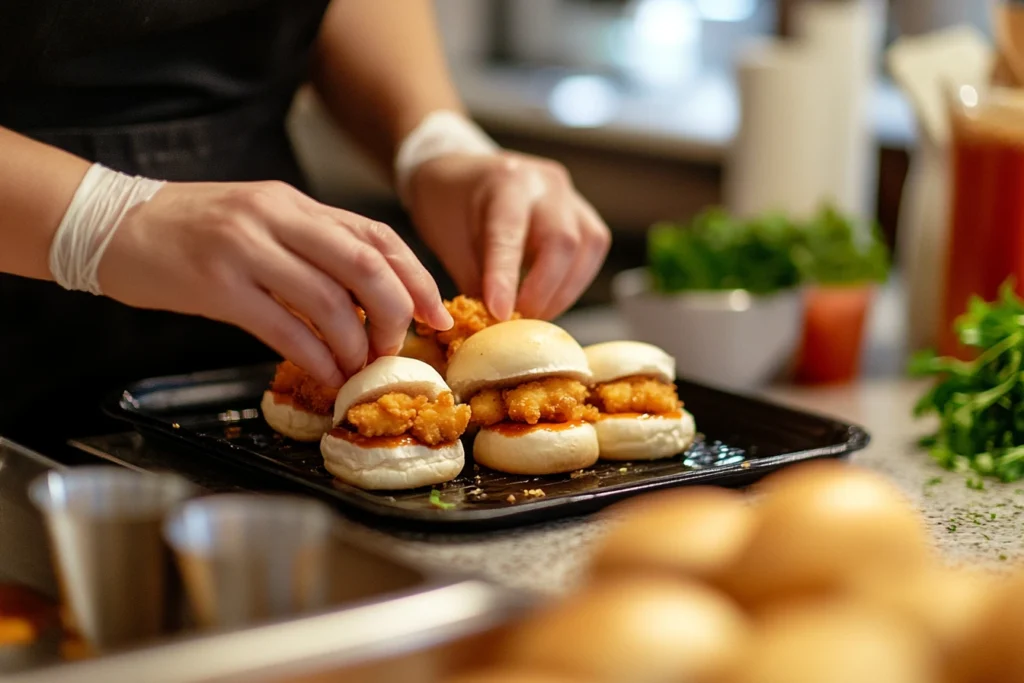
(488, 217)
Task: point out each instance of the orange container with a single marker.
(833, 334)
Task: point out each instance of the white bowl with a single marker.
(730, 339)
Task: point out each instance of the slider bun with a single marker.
(640, 630)
(387, 374)
(514, 352)
(695, 533)
(539, 451)
(424, 349)
(631, 437)
(515, 676)
(293, 422)
(823, 527)
(391, 468)
(837, 641)
(614, 360)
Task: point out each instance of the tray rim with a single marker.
(122, 406)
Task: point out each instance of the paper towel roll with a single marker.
(778, 158)
(846, 35)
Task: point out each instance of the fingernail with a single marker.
(445, 319)
(500, 307)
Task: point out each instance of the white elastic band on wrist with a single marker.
(440, 133)
(100, 203)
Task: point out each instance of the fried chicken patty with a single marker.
(635, 395)
(555, 399)
(470, 315)
(395, 414)
(292, 381)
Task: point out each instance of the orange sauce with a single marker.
(674, 415)
(513, 429)
(379, 441)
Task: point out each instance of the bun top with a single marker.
(614, 360)
(387, 374)
(513, 352)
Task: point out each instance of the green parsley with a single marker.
(980, 403)
(766, 254)
(934, 481)
(435, 500)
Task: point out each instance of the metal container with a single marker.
(386, 622)
(104, 526)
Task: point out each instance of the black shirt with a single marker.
(85, 63)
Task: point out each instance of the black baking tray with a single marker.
(740, 440)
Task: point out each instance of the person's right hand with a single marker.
(232, 251)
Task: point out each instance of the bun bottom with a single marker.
(543, 450)
(647, 438)
(295, 423)
(391, 468)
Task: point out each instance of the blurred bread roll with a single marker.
(514, 676)
(836, 642)
(641, 630)
(947, 604)
(823, 526)
(994, 650)
(694, 532)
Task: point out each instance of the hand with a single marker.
(244, 252)
(488, 216)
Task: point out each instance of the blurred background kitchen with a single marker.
(663, 108)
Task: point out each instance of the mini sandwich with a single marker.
(296, 405)
(526, 382)
(396, 426)
(641, 416)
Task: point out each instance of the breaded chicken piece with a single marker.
(390, 415)
(636, 395)
(488, 407)
(315, 397)
(549, 400)
(291, 380)
(395, 414)
(441, 422)
(555, 399)
(287, 378)
(470, 315)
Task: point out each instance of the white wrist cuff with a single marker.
(441, 133)
(102, 199)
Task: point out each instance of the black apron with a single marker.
(62, 353)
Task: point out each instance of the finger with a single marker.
(596, 241)
(361, 269)
(426, 297)
(319, 299)
(258, 313)
(558, 237)
(506, 223)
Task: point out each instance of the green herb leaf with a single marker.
(435, 500)
(979, 403)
